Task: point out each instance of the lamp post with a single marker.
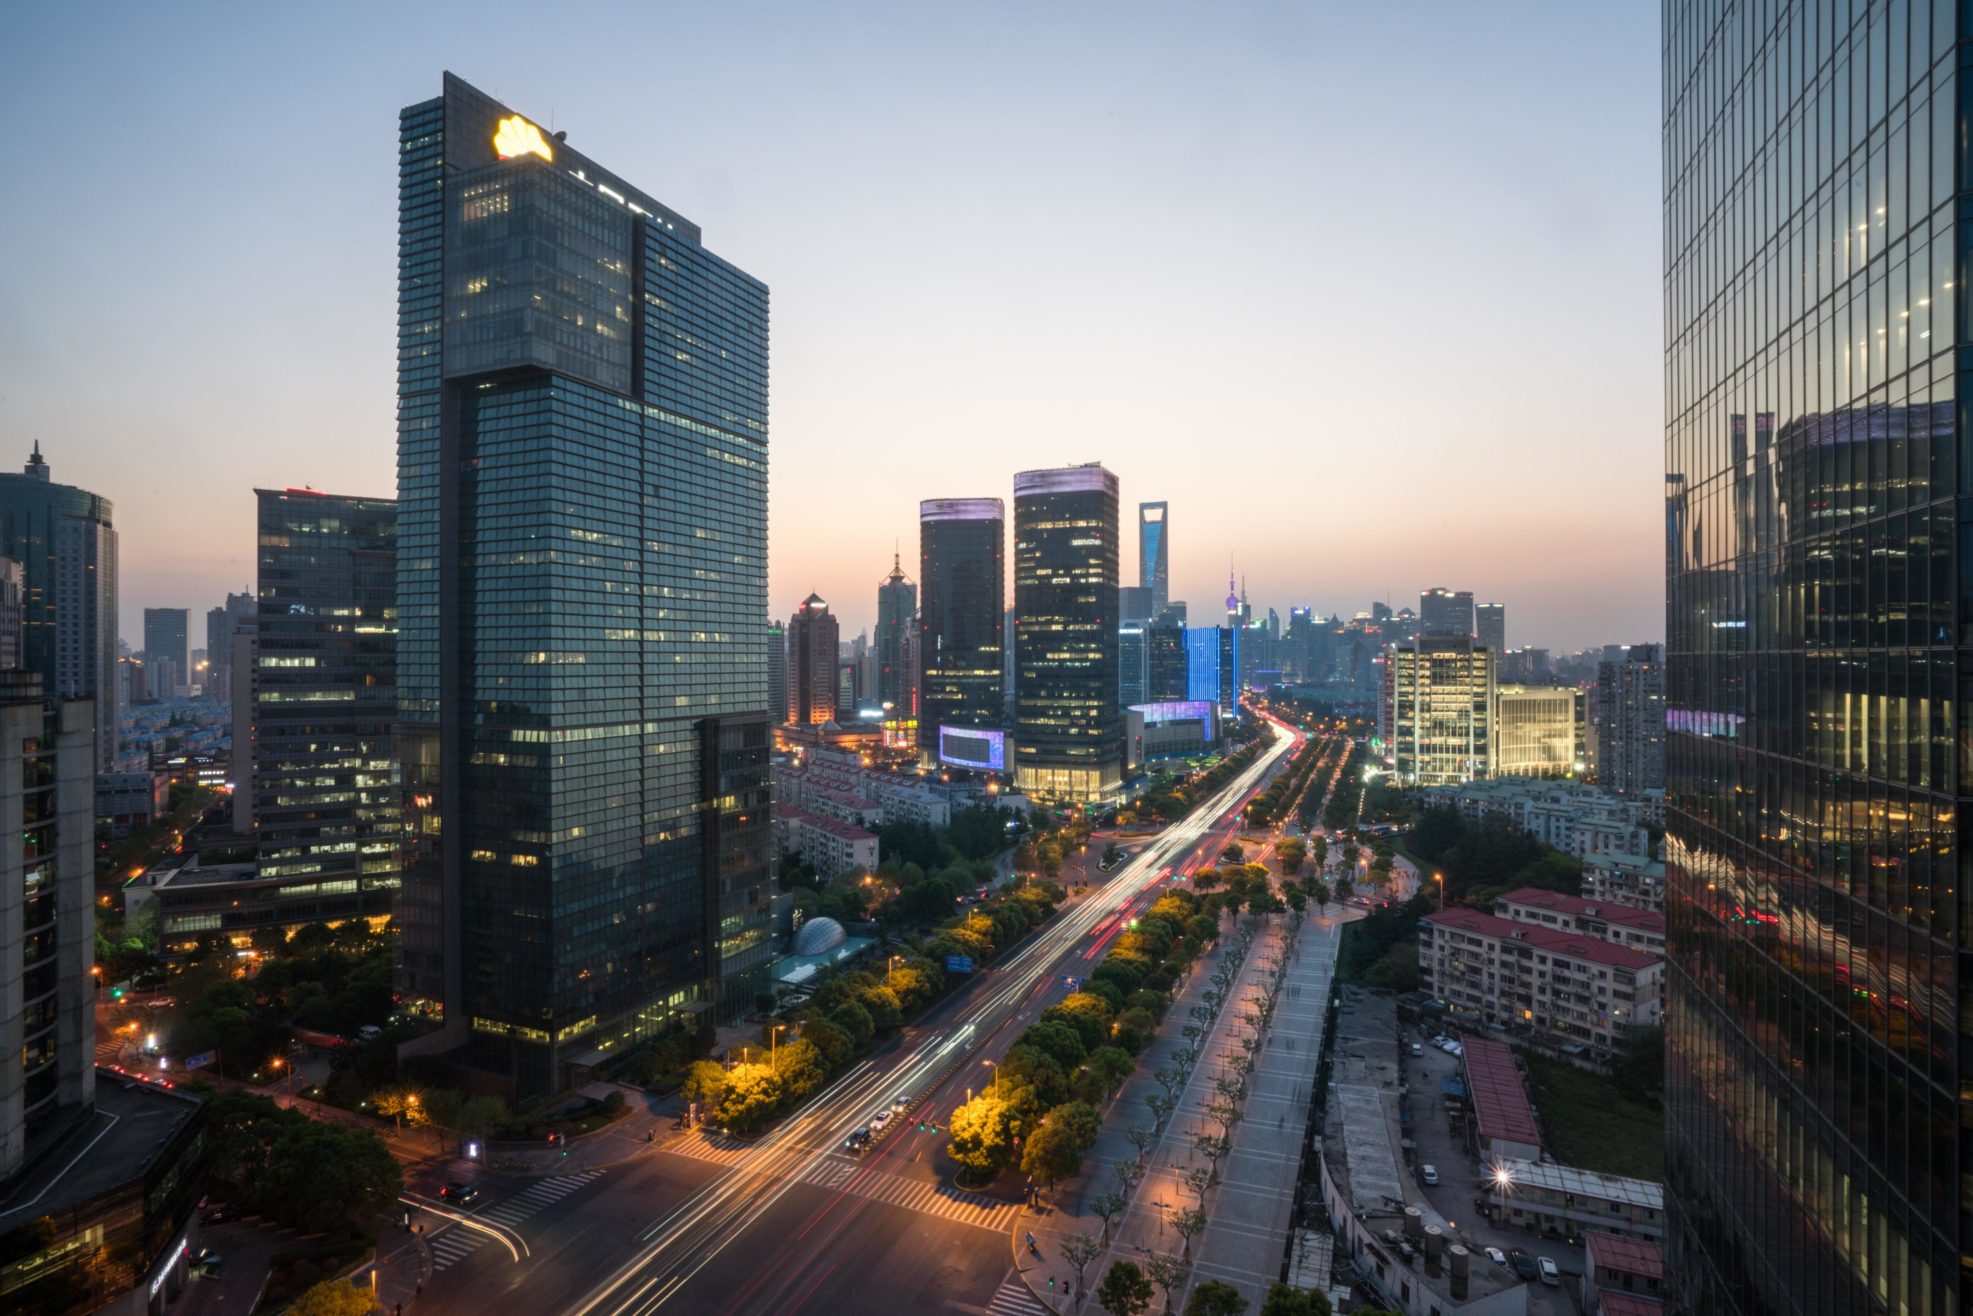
(996, 1075)
(1440, 879)
(890, 968)
(773, 1034)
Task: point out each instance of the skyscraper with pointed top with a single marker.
(1154, 554)
(897, 628)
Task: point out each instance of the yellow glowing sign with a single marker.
(519, 137)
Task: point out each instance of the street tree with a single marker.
(1125, 1290)
(334, 1297)
(1108, 1206)
(1224, 1114)
(983, 1134)
(1216, 1298)
(1189, 1224)
(1129, 1172)
(1161, 1106)
(1199, 1178)
(1214, 1148)
(1167, 1272)
(1139, 1137)
(1079, 1250)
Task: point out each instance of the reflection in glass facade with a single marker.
(582, 449)
(1068, 731)
(1154, 555)
(962, 593)
(325, 694)
(1816, 497)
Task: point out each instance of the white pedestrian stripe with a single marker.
(454, 1245)
(1012, 1298)
(934, 1199)
(530, 1200)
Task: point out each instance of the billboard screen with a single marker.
(964, 747)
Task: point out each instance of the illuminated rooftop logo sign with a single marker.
(519, 137)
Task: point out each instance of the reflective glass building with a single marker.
(962, 591)
(582, 656)
(1817, 499)
(1068, 730)
(1154, 556)
(325, 695)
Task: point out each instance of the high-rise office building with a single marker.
(67, 547)
(1490, 627)
(221, 622)
(243, 684)
(575, 369)
(1133, 664)
(1445, 612)
(1154, 555)
(1068, 731)
(1816, 448)
(325, 699)
(897, 622)
(1167, 660)
(166, 635)
(814, 664)
(1537, 730)
(13, 614)
(962, 595)
(47, 916)
(1439, 710)
(1134, 603)
(1213, 663)
(1628, 721)
(777, 673)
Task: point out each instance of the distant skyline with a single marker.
(1373, 302)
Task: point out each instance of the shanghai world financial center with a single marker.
(1818, 483)
(582, 675)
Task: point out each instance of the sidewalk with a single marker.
(647, 1125)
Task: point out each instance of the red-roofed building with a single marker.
(1504, 1127)
(1640, 929)
(1577, 987)
(830, 845)
(1620, 1273)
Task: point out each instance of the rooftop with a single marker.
(1628, 1304)
(1628, 1256)
(132, 1124)
(1640, 1193)
(1570, 945)
(1557, 902)
(846, 831)
(1500, 1103)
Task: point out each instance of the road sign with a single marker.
(958, 964)
(201, 1060)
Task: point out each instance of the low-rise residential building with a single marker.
(1578, 988)
(1503, 1126)
(829, 846)
(1636, 880)
(1622, 1276)
(1621, 924)
(1569, 1203)
(1573, 817)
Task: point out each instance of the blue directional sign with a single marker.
(958, 964)
(200, 1061)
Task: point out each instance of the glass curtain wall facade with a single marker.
(325, 695)
(1154, 555)
(1068, 731)
(1441, 706)
(66, 543)
(582, 448)
(1817, 511)
(897, 618)
(962, 592)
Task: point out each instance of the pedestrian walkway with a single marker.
(525, 1203)
(455, 1244)
(706, 1145)
(926, 1197)
(1013, 1299)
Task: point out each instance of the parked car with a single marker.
(1417, 1050)
(1550, 1272)
(458, 1193)
(1430, 1174)
(857, 1141)
(1496, 1256)
(1522, 1264)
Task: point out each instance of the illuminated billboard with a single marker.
(965, 747)
(1176, 710)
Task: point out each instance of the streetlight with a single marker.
(996, 1075)
(1440, 879)
(772, 1035)
(890, 968)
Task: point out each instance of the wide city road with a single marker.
(792, 1222)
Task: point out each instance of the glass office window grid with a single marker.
(962, 578)
(1068, 732)
(67, 547)
(326, 800)
(1816, 523)
(597, 556)
(1441, 710)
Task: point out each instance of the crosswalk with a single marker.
(1012, 1298)
(703, 1146)
(460, 1242)
(934, 1199)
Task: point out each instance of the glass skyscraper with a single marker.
(1068, 732)
(962, 592)
(1817, 497)
(325, 697)
(1154, 555)
(897, 623)
(582, 658)
(67, 547)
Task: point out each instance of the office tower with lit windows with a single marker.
(1490, 627)
(1167, 660)
(897, 622)
(582, 602)
(962, 591)
(325, 694)
(1068, 731)
(777, 673)
(65, 541)
(1154, 555)
(1133, 664)
(1445, 612)
(1817, 676)
(1439, 710)
(1628, 719)
(814, 665)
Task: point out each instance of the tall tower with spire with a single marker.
(897, 626)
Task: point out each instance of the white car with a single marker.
(880, 1119)
(1430, 1174)
(1496, 1256)
(1550, 1272)
(1417, 1050)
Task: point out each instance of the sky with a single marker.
(1370, 294)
